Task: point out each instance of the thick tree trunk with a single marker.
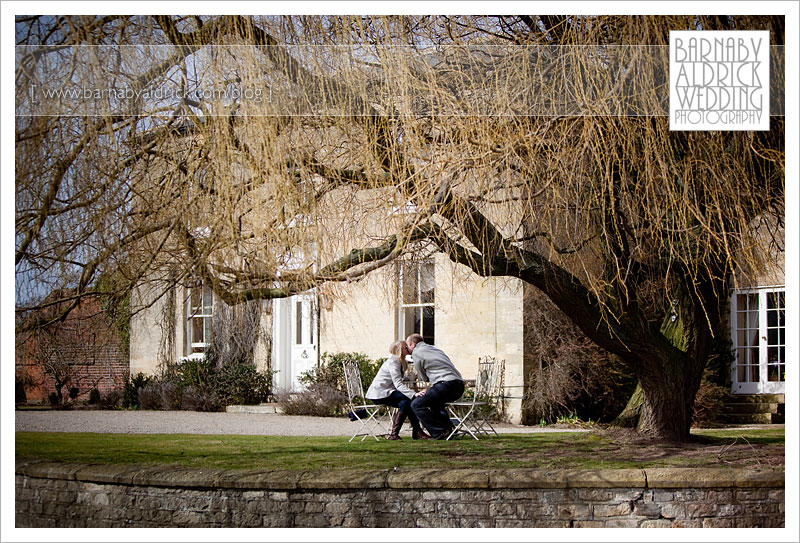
(665, 415)
(668, 362)
(669, 386)
(629, 418)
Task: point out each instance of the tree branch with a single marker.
(354, 265)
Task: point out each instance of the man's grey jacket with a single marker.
(432, 365)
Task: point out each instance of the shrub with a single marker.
(318, 400)
(325, 392)
(94, 396)
(73, 393)
(53, 398)
(566, 372)
(604, 389)
(331, 373)
(200, 385)
(132, 388)
(159, 396)
(111, 399)
(708, 403)
(188, 372)
(196, 399)
(240, 384)
(19, 392)
(149, 397)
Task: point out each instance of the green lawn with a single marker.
(742, 448)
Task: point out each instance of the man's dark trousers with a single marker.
(429, 407)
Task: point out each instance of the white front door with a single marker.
(758, 323)
(303, 336)
(294, 339)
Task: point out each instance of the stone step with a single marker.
(750, 408)
(756, 398)
(264, 408)
(754, 409)
(753, 418)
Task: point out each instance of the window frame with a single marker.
(424, 307)
(753, 335)
(204, 312)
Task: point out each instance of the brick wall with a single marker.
(77, 495)
(85, 342)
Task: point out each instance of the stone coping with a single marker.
(399, 478)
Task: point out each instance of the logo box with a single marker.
(719, 80)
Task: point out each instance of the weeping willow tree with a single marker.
(269, 155)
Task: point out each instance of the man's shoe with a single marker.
(445, 434)
(419, 434)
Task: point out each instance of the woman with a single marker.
(388, 389)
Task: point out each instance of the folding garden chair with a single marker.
(367, 415)
(472, 416)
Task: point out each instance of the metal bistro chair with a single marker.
(367, 415)
(472, 416)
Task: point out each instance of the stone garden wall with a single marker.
(79, 495)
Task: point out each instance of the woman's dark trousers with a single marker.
(403, 404)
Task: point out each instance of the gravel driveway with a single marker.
(192, 422)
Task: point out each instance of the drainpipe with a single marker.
(318, 312)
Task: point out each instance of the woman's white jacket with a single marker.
(388, 379)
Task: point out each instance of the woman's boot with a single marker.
(397, 423)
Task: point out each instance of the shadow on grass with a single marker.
(595, 450)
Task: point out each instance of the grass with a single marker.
(757, 448)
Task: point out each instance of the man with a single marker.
(432, 365)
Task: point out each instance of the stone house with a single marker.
(758, 336)
(465, 315)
